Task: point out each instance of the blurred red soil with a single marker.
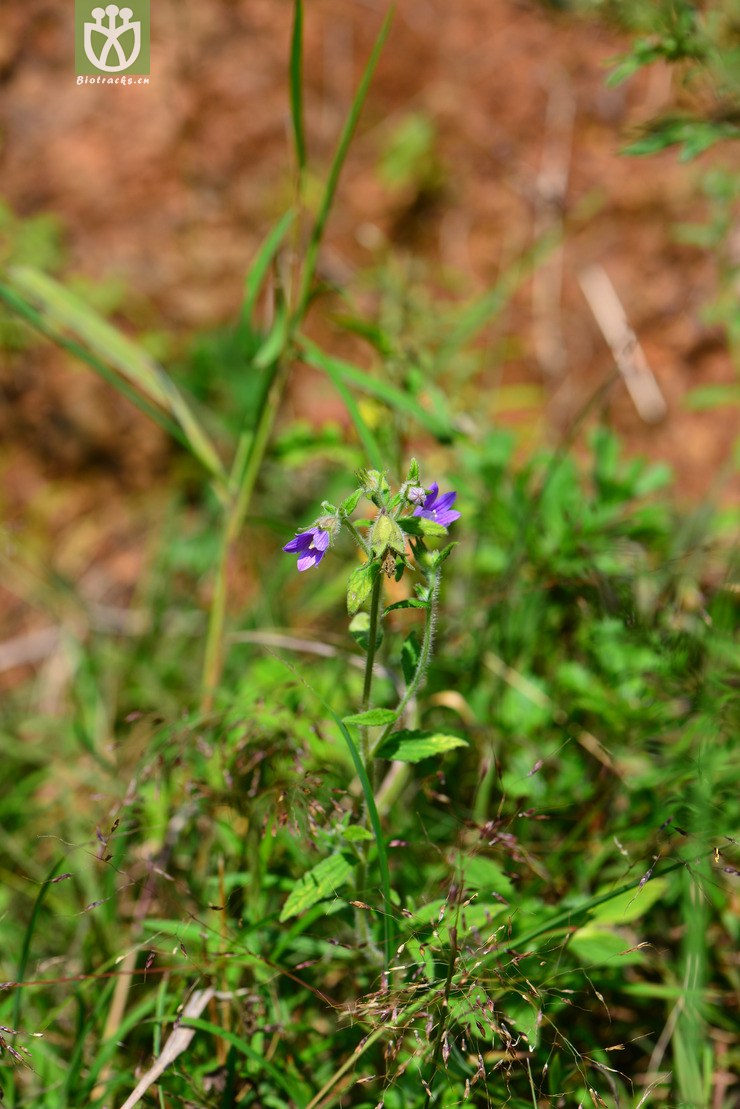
(172, 186)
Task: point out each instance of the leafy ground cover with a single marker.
(441, 806)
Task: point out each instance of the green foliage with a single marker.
(546, 873)
(701, 42)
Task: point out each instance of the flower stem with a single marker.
(372, 643)
(365, 547)
(361, 923)
(424, 654)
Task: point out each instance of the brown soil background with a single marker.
(171, 187)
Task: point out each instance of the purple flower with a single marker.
(310, 546)
(439, 510)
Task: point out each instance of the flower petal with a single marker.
(433, 490)
(445, 501)
(299, 543)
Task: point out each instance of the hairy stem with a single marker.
(361, 543)
(425, 653)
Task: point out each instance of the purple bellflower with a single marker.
(310, 546)
(438, 508)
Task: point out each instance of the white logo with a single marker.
(111, 35)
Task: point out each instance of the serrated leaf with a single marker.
(412, 478)
(373, 718)
(319, 882)
(413, 746)
(360, 585)
(355, 833)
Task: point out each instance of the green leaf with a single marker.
(355, 833)
(274, 342)
(593, 945)
(261, 264)
(410, 602)
(413, 746)
(320, 882)
(360, 585)
(373, 718)
(484, 874)
(630, 905)
(419, 525)
(712, 396)
(362, 379)
(438, 557)
(410, 652)
(359, 629)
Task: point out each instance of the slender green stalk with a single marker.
(243, 479)
(372, 644)
(424, 655)
(364, 546)
(296, 86)
(312, 250)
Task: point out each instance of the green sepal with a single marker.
(360, 585)
(348, 506)
(386, 534)
(375, 483)
(413, 474)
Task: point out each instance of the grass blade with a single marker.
(312, 251)
(61, 310)
(261, 264)
(296, 85)
(20, 973)
(34, 318)
(279, 1075)
(368, 440)
(395, 398)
